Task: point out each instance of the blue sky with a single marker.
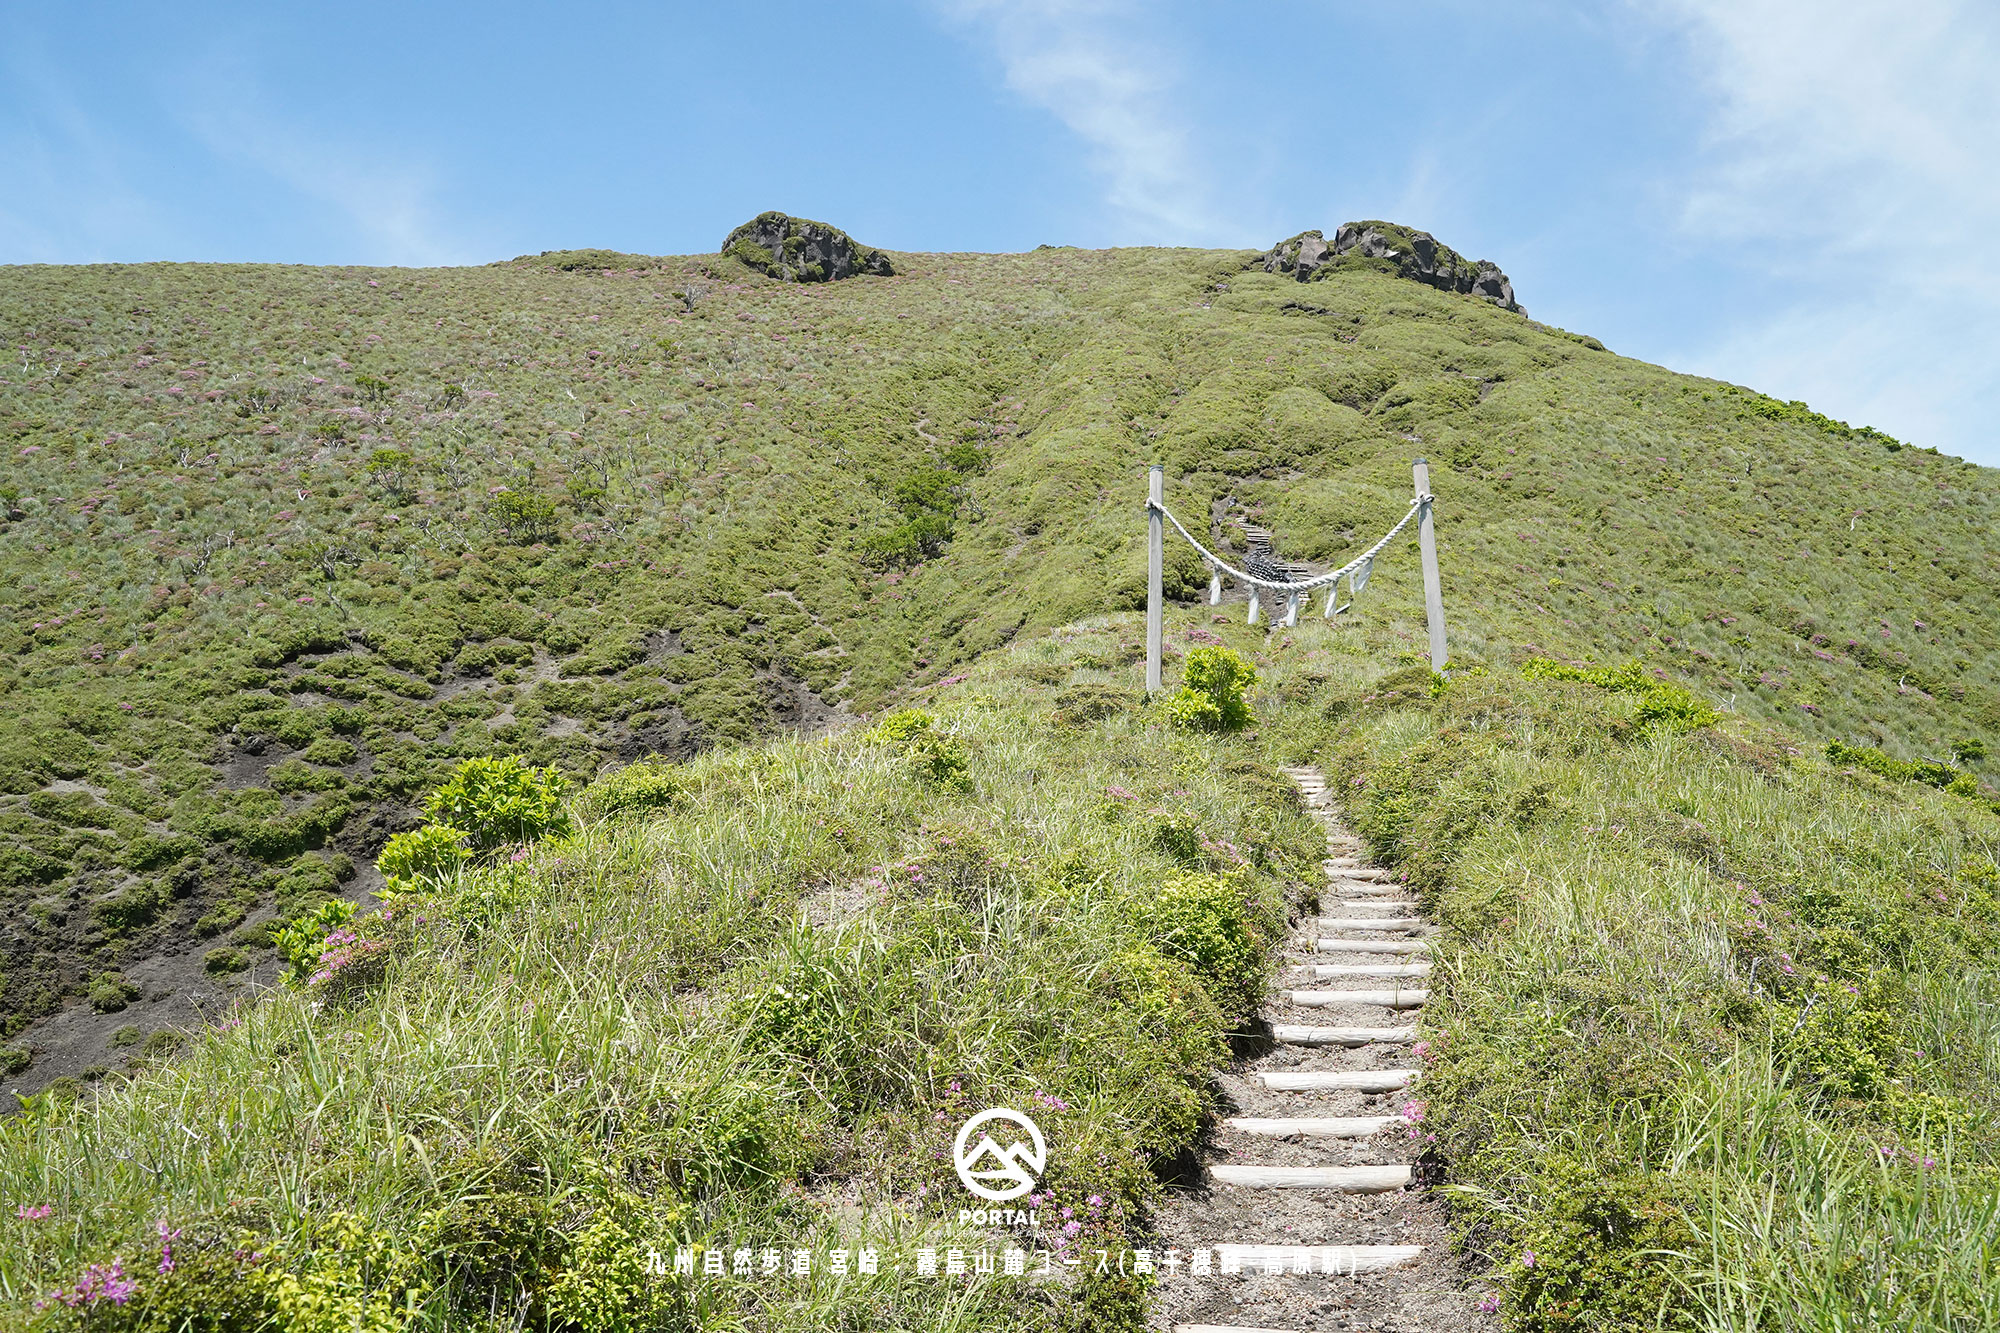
(1798, 195)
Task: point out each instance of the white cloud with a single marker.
(1851, 154)
(1088, 63)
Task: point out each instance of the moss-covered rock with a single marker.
(1389, 247)
(799, 250)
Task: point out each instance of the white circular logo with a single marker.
(993, 1172)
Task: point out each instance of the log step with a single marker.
(1391, 999)
(1350, 1080)
(1373, 946)
(1347, 1179)
(1328, 971)
(1336, 1259)
(1379, 904)
(1325, 1126)
(1231, 1328)
(1375, 890)
(1371, 923)
(1303, 1034)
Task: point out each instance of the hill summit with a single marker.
(1390, 248)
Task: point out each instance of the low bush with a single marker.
(301, 941)
(1211, 697)
(1204, 921)
(1660, 702)
(500, 803)
(637, 788)
(932, 753)
(1603, 1255)
(1927, 771)
(111, 992)
(421, 857)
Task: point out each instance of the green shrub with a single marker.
(301, 941)
(147, 852)
(130, 907)
(13, 1059)
(129, 1035)
(428, 855)
(635, 788)
(294, 776)
(163, 1041)
(1927, 771)
(500, 803)
(1210, 698)
(602, 1284)
(1178, 835)
(1603, 1256)
(524, 516)
(1204, 921)
(330, 751)
(934, 756)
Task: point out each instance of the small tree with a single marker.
(391, 467)
(526, 516)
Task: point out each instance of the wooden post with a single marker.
(1427, 543)
(1256, 602)
(1155, 564)
(1291, 609)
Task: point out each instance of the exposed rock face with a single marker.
(798, 250)
(1416, 255)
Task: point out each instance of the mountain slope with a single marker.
(283, 543)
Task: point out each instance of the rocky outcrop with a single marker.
(1416, 255)
(799, 250)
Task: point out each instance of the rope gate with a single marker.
(1296, 591)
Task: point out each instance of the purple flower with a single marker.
(1489, 1303)
(167, 1239)
(1527, 1258)
(100, 1282)
(33, 1212)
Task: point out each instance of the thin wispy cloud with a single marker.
(1092, 67)
(384, 199)
(1850, 152)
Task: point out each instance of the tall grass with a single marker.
(752, 1019)
(1713, 1023)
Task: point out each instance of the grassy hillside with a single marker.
(747, 1009)
(1711, 1042)
(284, 543)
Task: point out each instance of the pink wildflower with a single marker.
(167, 1239)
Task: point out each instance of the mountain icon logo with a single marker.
(991, 1171)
